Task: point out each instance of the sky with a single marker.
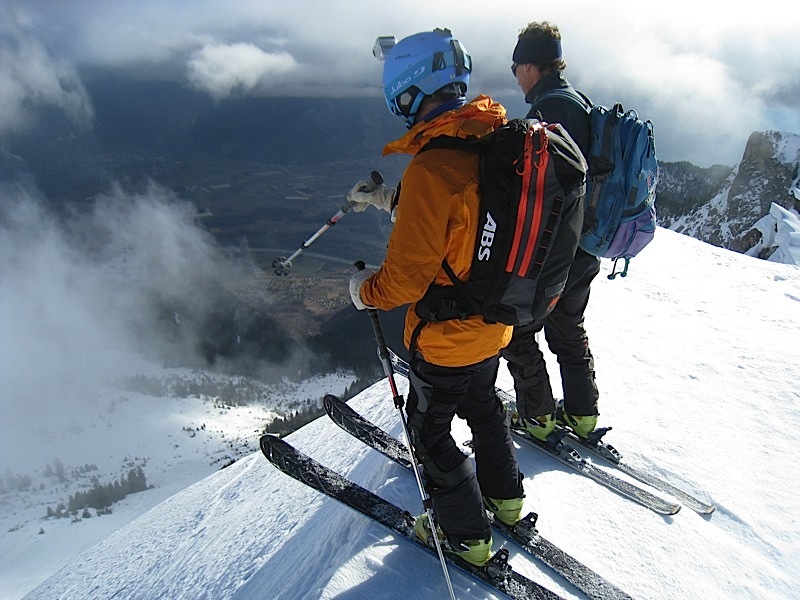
(697, 364)
(706, 75)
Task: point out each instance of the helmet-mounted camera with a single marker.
(382, 46)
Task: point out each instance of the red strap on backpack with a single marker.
(529, 217)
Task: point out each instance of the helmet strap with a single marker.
(412, 111)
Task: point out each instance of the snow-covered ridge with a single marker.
(698, 366)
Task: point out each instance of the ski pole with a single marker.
(282, 265)
(388, 370)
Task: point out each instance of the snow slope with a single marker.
(698, 366)
(177, 440)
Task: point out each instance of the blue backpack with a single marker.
(620, 217)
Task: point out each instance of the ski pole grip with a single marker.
(375, 179)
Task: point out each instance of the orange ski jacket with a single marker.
(437, 218)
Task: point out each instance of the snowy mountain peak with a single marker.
(787, 146)
(768, 173)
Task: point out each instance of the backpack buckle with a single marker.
(451, 306)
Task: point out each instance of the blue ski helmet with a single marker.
(421, 65)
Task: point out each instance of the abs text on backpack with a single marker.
(532, 182)
(621, 182)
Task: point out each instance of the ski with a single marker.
(524, 533)
(559, 449)
(611, 456)
(497, 573)
(603, 451)
(569, 456)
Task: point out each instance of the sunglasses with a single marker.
(514, 68)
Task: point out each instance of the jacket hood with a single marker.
(475, 119)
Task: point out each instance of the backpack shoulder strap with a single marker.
(578, 98)
(449, 142)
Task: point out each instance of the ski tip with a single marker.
(705, 509)
(328, 401)
(268, 439)
(267, 442)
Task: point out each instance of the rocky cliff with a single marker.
(721, 208)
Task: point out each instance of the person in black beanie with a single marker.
(539, 68)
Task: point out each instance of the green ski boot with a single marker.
(582, 426)
(479, 551)
(507, 511)
(539, 428)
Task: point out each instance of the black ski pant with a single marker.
(436, 395)
(566, 337)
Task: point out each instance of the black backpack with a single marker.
(532, 183)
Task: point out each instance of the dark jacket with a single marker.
(558, 110)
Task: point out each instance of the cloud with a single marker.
(222, 70)
(706, 83)
(679, 88)
(87, 298)
(707, 80)
(31, 78)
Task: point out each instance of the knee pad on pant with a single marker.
(437, 478)
(430, 413)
